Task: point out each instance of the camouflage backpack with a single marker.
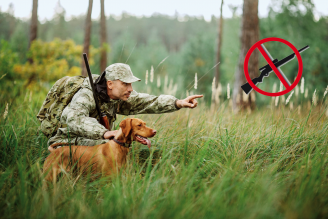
(59, 96)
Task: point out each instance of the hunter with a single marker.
(79, 124)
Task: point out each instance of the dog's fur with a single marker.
(106, 158)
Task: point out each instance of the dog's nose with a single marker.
(154, 132)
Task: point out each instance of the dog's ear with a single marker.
(126, 126)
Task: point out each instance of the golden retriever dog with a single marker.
(105, 159)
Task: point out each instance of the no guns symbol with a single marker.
(273, 65)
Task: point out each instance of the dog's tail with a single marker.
(53, 147)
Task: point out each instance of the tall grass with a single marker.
(269, 164)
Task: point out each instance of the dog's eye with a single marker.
(139, 125)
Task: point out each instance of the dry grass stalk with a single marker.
(276, 101)
(253, 96)
(299, 109)
(217, 94)
(314, 98)
(151, 74)
(146, 80)
(302, 85)
(245, 97)
(158, 81)
(228, 91)
(195, 85)
(6, 112)
(324, 94)
(274, 88)
(297, 90)
(291, 105)
(306, 93)
(30, 99)
(213, 89)
(290, 96)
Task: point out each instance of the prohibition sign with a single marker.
(273, 67)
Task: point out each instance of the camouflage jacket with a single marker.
(80, 117)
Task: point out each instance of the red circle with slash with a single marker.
(274, 68)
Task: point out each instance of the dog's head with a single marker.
(137, 130)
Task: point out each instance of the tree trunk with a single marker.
(103, 37)
(34, 25)
(87, 35)
(249, 36)
(218, 52)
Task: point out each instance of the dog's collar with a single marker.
(120, 143)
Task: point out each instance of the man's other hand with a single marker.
(109, 134)
(189, 102)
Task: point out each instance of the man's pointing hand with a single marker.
(189, 102)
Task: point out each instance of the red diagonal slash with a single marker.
(267, 58)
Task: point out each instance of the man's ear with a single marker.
(126, 126)
(110, 84)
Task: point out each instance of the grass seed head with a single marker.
(158, 81)
(290, 96)
(228, 91)
(151, 74)
(146, 80)
(302, 85)
(306, 93)
(6, 112)
(314, 98)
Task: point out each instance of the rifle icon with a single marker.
(266, 70)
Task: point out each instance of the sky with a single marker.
(206, 8)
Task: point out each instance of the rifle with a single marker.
(266, 70)
(102, 116)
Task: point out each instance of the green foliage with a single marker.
(8, 59)
(51, 61)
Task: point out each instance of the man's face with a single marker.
(119, 90)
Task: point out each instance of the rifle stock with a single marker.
(104, 121)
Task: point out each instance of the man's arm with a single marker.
(76, 116)
(141, 103)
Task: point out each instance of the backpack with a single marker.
(59, 96)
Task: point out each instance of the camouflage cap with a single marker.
(120, 71)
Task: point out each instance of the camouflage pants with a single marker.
(77, 141)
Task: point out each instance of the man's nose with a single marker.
(130, 88)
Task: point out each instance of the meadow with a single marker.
(270, 163)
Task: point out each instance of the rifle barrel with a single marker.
(91, 83)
